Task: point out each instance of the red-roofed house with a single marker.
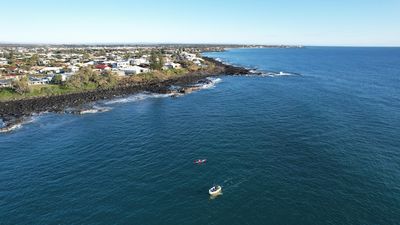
(102, 67)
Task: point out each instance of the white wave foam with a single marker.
(95, 109)
(8, 129)
(137, 97)
(13, 126)
(211, 84)
(253, 71)
(215, 80)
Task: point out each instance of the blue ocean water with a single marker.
(320, 146)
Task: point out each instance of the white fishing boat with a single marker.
(216, 190)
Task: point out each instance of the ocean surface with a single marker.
(315, 140)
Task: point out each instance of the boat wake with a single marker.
(279, 74)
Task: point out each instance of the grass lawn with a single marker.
(7, 94)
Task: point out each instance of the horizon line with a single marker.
(183, 43)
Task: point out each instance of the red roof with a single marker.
(101, 66)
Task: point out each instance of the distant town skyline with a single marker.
(305, 22)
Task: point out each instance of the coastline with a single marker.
(14, 110)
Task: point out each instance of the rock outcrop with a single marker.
(57, 103)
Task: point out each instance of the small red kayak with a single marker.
(200, 161)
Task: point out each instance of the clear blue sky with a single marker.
(306, 22)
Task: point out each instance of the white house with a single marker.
(189, 56)
(74, 61)
(5, 83)
(122, 64)
(43, 62)
(100, 60)
(73, 68)
(193, 58)
(39, 81)
(198, 61)
(3, 61)
(90, 63)
(51, 70)
(134, 70)
(140, 61)
(172, 65)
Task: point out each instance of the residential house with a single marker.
(50, 70)
(193, 58)
(74, 61)
(131, 70)
(172, 65)
(12, 69)
(39, 80)
(43, 62)
(189, 56)
(122, 64)
(5, 83)
(140, 61)
(102, 67)
(100, 60)
(198, 61)
(90, 63)
(73, 68)
(3, 61)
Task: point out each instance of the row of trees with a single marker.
(83, 79)
(88, 77)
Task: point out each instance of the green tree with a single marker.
(57, 79)
(21, 86)
(86, 56)
(74, 82)
(128, 55)
(107, 79)
(11, 58)
(156, 61)
(160, 61)
(84, 77)
(33, 61)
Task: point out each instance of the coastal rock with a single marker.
(58, 103)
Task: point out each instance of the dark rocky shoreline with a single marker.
(15, 109)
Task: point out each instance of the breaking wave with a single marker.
(95, 109)
(10, 128)
(211, 82)
(137, 97)
(16, 125)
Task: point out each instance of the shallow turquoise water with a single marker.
(317, 148)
